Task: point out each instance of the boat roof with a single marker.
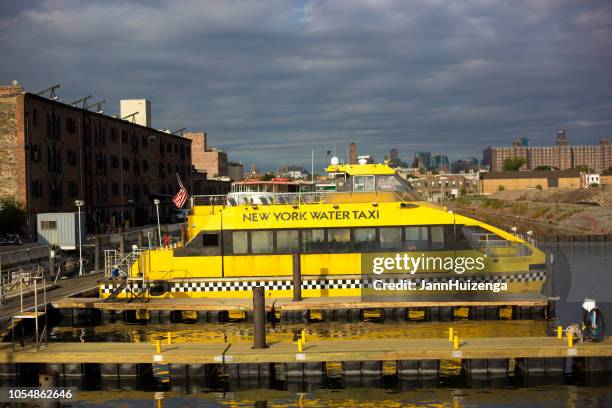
(360, 169)
(273, 182)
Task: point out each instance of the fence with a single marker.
(40, 254)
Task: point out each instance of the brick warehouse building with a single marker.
(52, 153)
(561, 156)
(210, 160)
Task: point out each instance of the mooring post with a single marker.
(259, 318)
(297, 278)
(550, 282)
(98, 254)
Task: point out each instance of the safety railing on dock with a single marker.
(18, 278)
(117, 265)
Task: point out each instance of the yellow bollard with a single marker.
(456, 342)
(158, 346)
(570, 340)
(299, 344)
(450, 334)
(303, 336)
(169, 337)
(560, 332)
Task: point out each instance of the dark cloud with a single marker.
(271, 81)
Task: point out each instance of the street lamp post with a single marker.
(156, 202)
(79, 204)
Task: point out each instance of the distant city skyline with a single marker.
(271, 81)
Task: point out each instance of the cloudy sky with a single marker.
(270, 81)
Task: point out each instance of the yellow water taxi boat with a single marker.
(371, 236)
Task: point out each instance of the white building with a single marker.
(590, 179)
(140, 108)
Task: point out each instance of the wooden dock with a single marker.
(229, 304)
(62, 290)
(348, 309)
(316, 351)
(206, 365)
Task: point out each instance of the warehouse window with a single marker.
(48, 225)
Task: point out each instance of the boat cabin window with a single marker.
(390, 238)
(240, 242)
(391, 182)
(365, 238)
(262, 242)
(210, 240)
(313, 240)
(416, 238)
(338, 239)
(437, 237)
(364, 183)
(287, 241)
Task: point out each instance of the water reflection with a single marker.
(547, 396)
(243, 332)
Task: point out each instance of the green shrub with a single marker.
(12, 216)
(539, 212)
(520, 208)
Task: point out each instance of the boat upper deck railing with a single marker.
(298, 198)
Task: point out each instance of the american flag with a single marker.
(181, 197)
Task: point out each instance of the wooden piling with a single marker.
(297, 278)
(259, 318)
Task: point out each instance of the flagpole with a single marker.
(312, 167)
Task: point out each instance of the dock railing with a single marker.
(117, 265)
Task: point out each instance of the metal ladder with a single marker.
(119, 266)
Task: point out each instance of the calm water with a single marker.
(546, 396)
